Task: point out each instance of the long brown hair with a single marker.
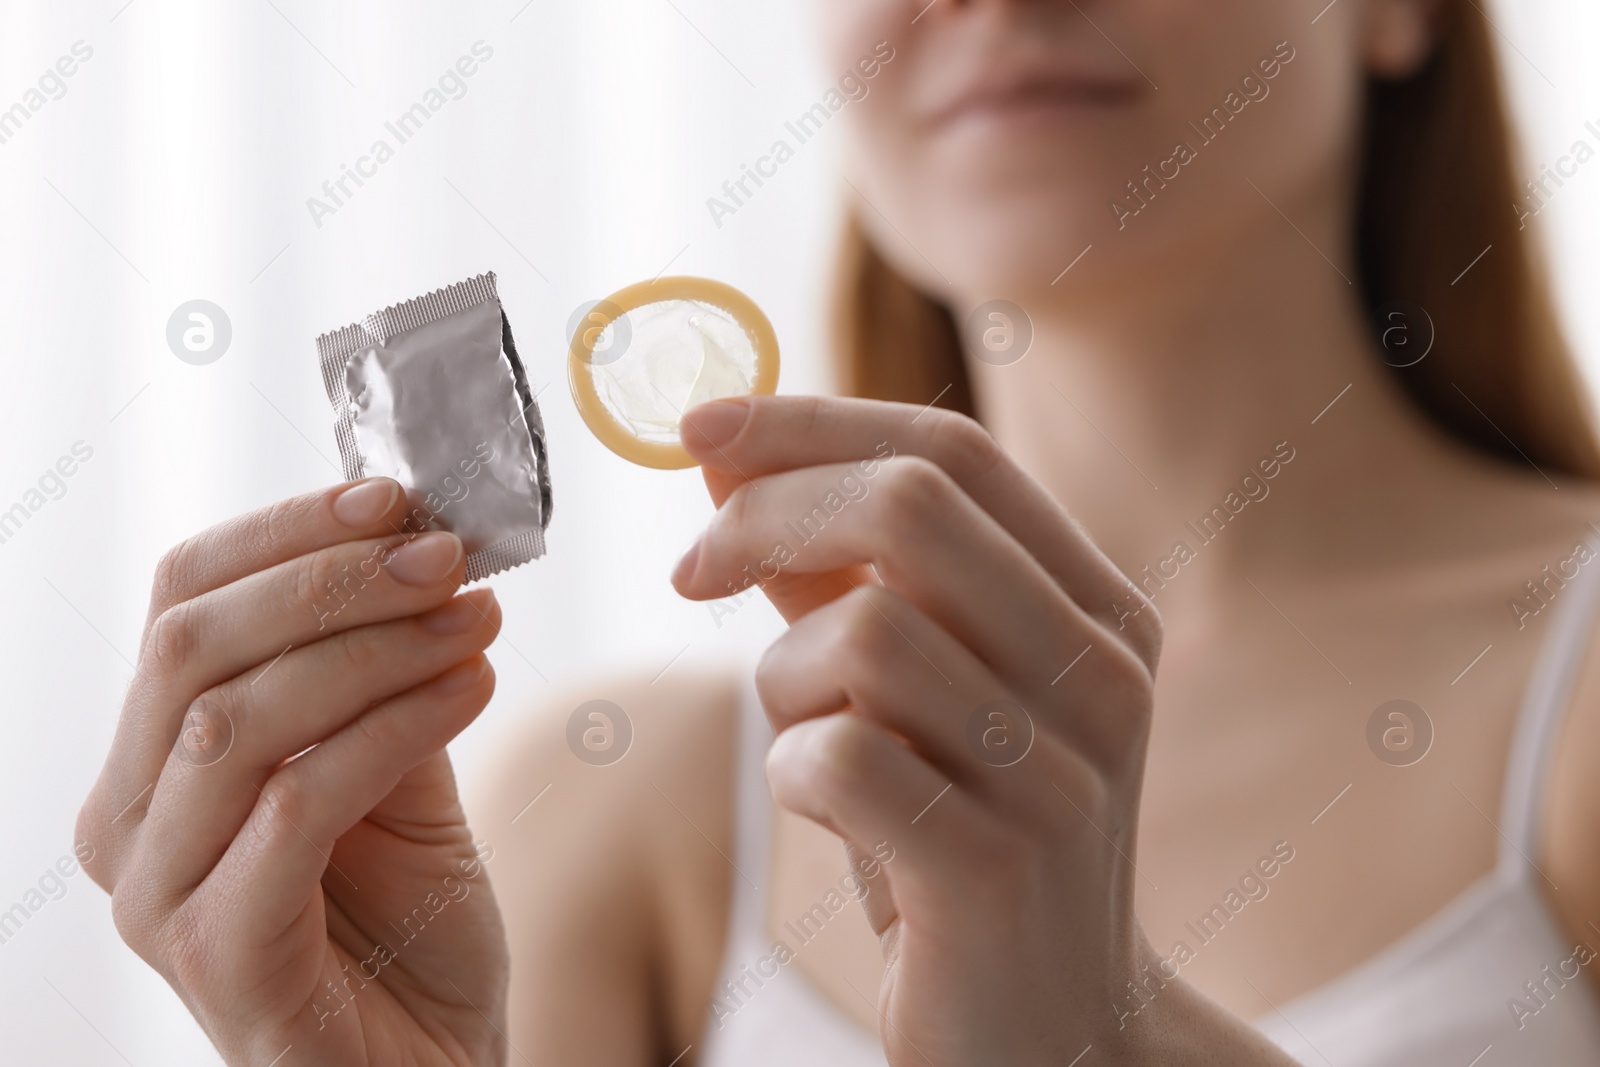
(1438, 186)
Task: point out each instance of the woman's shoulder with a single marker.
(611, 814)
(606, 739)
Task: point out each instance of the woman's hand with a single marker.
(277, 821)
(976, 704)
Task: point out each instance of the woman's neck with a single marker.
(1144, 404)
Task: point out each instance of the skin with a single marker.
(249, 878)
(1194, 734)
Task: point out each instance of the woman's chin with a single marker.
(1020, 261)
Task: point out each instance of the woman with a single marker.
(1204, 219)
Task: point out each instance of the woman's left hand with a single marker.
(978, 700)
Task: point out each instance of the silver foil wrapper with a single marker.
(432, 393)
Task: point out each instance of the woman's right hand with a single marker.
(277, 822)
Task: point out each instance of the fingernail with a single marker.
(458, 679)
(686, 566)
(462, 614)
(366, 502)
(715, 423)
(427, 559)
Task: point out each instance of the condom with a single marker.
(431, 393)
(642, 357)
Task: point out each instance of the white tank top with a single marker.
(1491, 980)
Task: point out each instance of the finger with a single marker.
(874, 652)
(878, 907)
(850, 776)
(924, 537)
(224, 554)
(204, 640)
(792, 594)
(277, 533)
(283, 850)
(756, 436)
(247, 624)
(205, 794)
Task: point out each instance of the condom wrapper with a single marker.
(431, 393)
(644, 356)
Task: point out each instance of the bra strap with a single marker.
(1544, 705)
(753, 814)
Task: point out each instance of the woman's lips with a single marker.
(1037, 99)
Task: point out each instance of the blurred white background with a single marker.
(177, 165)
